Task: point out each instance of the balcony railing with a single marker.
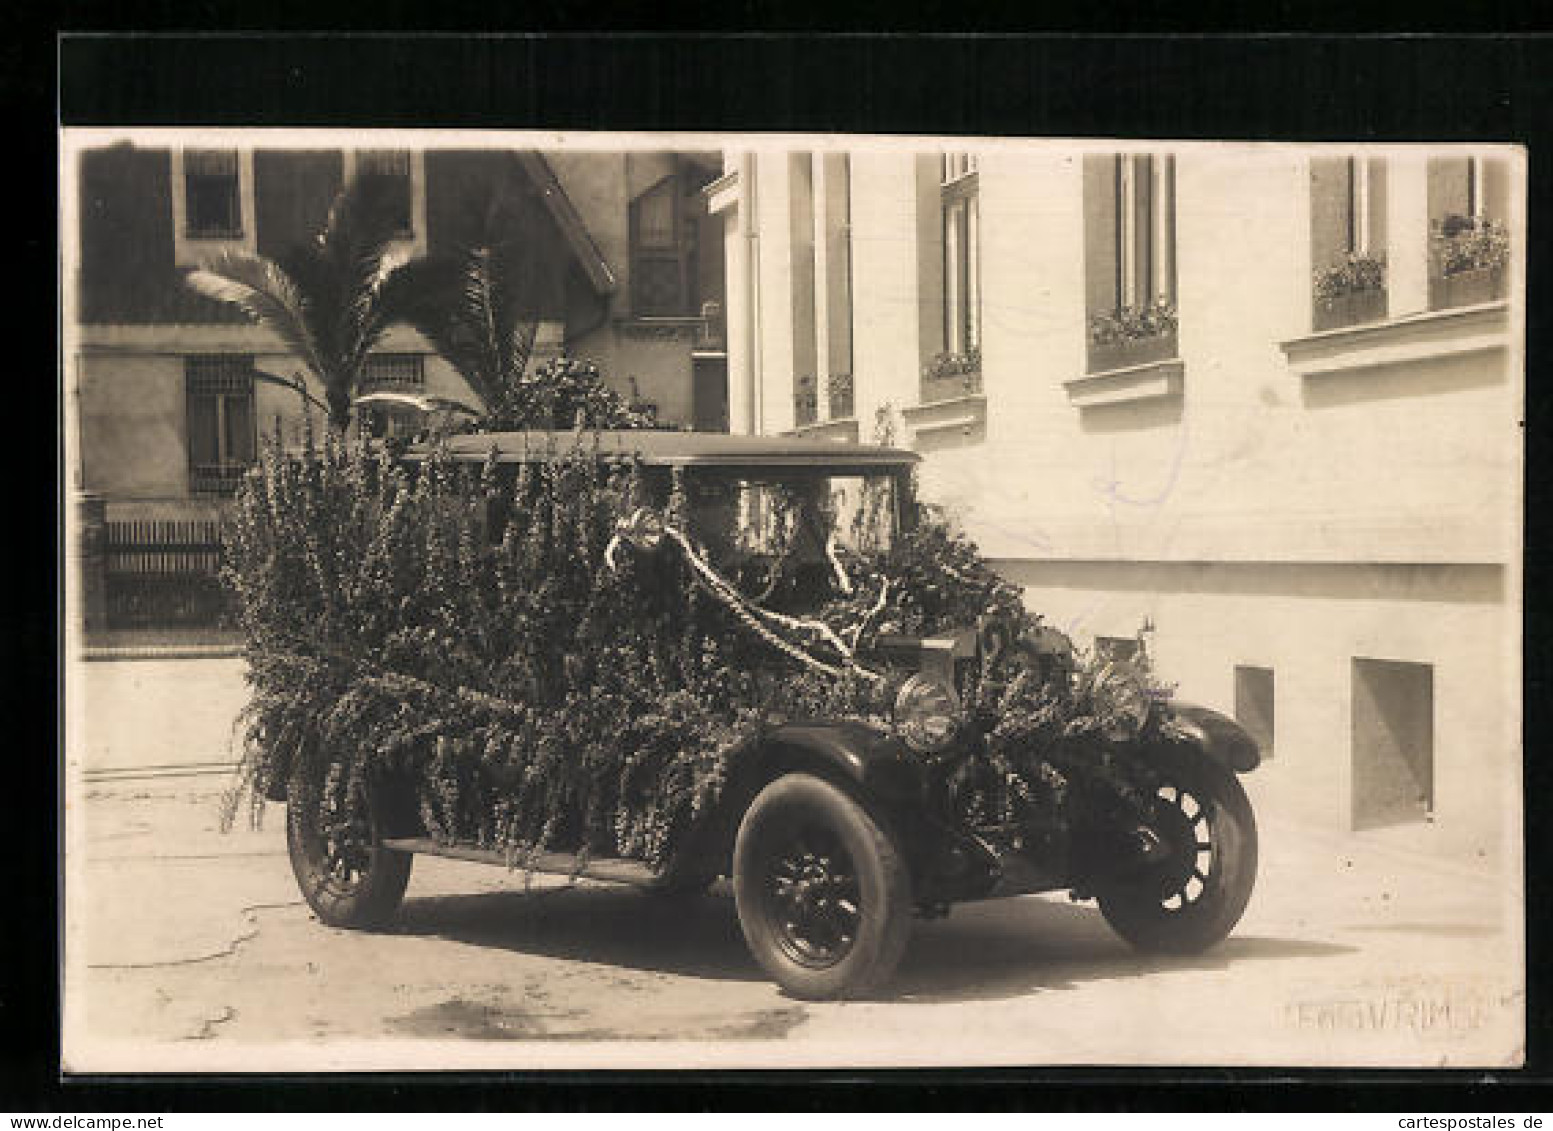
(216, 478)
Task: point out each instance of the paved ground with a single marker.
(190, 948)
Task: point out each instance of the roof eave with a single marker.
(600, 274)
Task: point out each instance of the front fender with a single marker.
(878, 770)
(1218, 736)
(873, 760)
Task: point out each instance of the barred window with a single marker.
(391, 169)
(394, 371)
(222, 433)
(212, 194)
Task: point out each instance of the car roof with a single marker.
(656, 448)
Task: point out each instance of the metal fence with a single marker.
(164, 574)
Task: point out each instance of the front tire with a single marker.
(345, 873)
(1192, 898)
(823, 897)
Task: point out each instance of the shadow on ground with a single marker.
(1020, 946)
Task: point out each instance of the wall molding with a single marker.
(843, 430)
(1149, 381)
(964, 413)
(1400, 341)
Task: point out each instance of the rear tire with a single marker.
(823, 897)
(348, 880)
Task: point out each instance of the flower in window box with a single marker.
(1350, 293)
(1469, 243)
(1356, 274)
(949, 366)
(806, 399)
(1132, 335)
(1132, 323)
(841, 403)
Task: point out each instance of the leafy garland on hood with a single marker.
(482, 632)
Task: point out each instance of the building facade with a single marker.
(167, 406)
(1262, 403)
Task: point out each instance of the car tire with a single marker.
(823, 897)
(1192, 899)
(356, 885)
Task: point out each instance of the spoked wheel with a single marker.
(1191, 895)
(346, 875)
(823, 898)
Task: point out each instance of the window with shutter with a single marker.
(1469, 243)
(1348, 240)
(660, 252)
(1129, 259)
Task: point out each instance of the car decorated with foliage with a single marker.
(666, 658)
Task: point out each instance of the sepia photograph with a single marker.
(582, 600)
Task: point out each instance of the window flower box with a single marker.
(1125, 353)
(1467, 288)
(951, 375)
(1132, 335)
(840, 393)
(1350, 293)
(1353, 308)
(806, 401)
(1468, 256)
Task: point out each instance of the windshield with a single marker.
(792, 541)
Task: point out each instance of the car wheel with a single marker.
(822, 895)
(1192, 896)
(346, 875)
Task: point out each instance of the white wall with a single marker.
(1347, 496)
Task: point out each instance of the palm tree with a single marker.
(325, 299)
(479, 310)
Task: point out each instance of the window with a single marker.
(838, 261)
(222, 436)
(1348, 240)
(808, 286)
(390, 170)
(212, 194)
(1469, 243)
(393, 372)
(962, 282)
(660, 252)
(1130, 259)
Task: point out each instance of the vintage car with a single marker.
(837, 832)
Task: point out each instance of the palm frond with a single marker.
(483, 312)
(428, 294)
(269, 296)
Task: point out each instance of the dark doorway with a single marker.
(1393, 742)
(1254, 705)
(710, 395)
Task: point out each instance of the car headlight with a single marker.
(927, 714)
(1121, 695)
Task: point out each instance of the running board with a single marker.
(609, 869)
